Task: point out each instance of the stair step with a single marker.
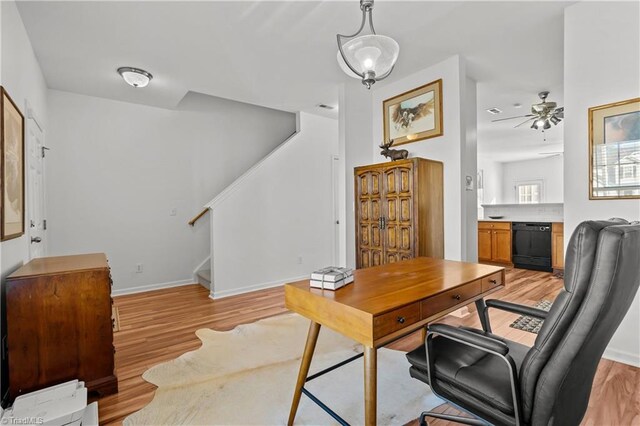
(204, 278)
(205, 274)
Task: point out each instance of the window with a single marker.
(528, 193)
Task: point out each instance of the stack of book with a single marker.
(331, 278)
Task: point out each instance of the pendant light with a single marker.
(368, 57)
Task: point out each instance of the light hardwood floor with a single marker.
(159, 326)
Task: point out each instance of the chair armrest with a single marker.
(517, 309)
(470, 338)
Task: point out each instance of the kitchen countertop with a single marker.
(524, 219)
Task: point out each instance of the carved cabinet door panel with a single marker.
(398, 213)
(369, 240)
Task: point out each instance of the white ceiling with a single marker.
(283, 54)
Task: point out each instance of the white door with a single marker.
(35, 190)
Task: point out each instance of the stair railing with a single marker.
(198, 216)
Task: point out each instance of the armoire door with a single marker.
(398, 220)
(368, 233)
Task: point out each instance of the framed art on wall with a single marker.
(414, 115)
(614, 150)
(11, 167)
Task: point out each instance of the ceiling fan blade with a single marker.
(525, 122)
(511, 118)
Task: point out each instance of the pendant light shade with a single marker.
(368, 57)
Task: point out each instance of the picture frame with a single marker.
(614, 150)
(414, 115)
(12, 173)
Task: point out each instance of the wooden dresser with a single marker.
(59, 324)
(399, 211)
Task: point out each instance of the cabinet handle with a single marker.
(494, 282)
(401, 320)
(457, 297)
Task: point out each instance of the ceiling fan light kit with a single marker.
(542, 114)
(369, 57)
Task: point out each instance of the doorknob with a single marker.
(36, 239)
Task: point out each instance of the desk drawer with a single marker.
(395, 320)
(450, 298)
(492, 281)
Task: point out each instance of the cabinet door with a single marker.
(369, 237)
(398, 213)
(484, 244)
(557, 246)
(501, 246)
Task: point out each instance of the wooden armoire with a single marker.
(399, 211)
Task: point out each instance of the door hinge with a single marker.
(44, 224)
(44, 149)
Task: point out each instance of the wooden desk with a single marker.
(385, 303)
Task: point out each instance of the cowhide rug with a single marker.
(247, 376)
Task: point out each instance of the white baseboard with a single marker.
(150, 287)
(622, 356)
(235, 291)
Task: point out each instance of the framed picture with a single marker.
(11, 168)
(614, 150)
(414, 115)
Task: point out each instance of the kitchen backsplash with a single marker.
(543, 212)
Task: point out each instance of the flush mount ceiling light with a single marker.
(135, 76)
(370, 57)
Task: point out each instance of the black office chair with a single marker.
(505, 383)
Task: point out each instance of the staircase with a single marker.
(204, 278)
(276, 222)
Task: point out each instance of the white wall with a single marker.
(602, 65)
(451, 148)
(492, 175)
(116, 170)
(355, 142)
(278, 223)
(549, 170)
(23, 80)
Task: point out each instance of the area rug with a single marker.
(247, 376)
(530, 324)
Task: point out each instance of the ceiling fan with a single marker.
(542, 114)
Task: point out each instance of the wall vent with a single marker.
(494, 111)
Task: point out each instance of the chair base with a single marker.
(451, 418)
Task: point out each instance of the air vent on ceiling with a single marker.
(494, 111)
(324, 106)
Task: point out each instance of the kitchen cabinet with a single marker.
(557, 245)
(494, 242)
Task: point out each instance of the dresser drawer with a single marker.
(450, 298)
(494, 225)
(397, 319)
(492, 281)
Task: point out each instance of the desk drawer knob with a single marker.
(494, 282)
(401, 320)
(457, 297)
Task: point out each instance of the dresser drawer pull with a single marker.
(401, 320)
(456, 296)
(493, 282)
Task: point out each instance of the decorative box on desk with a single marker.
(59, 324)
